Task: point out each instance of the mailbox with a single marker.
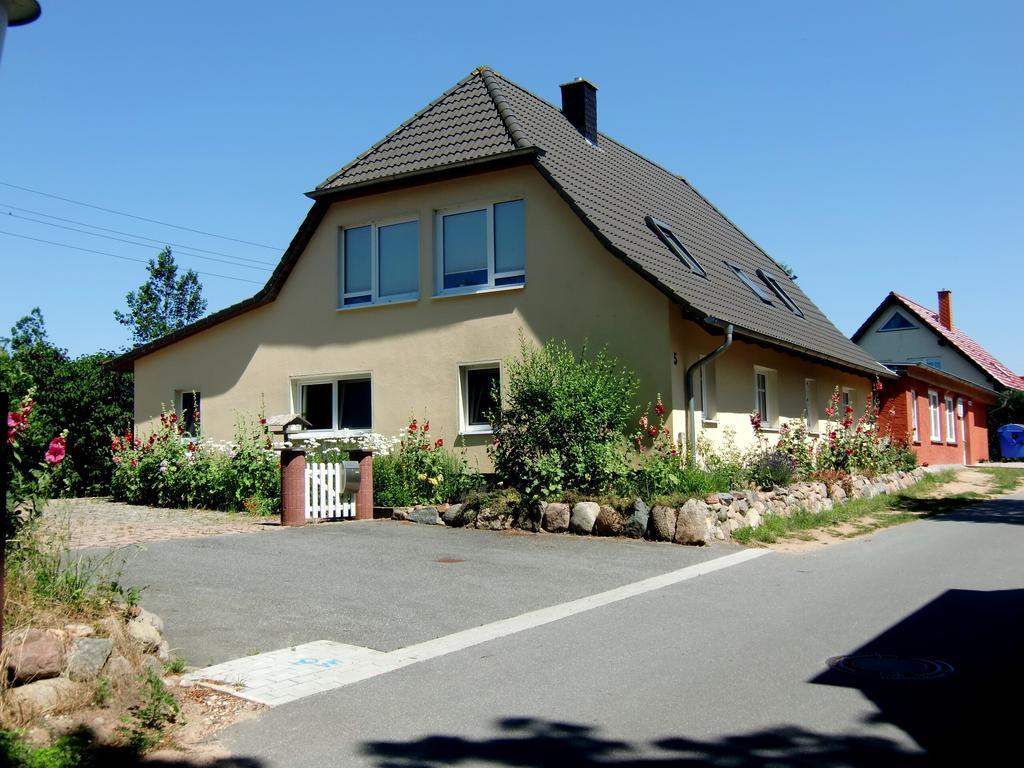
(351, 471)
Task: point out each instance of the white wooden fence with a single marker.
(325, 493)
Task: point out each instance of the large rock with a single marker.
(494, 519)
(837, 494)
(609, 522)
(153, 664)
(148, 617)
(663, 523)
(753, 518)
(529, 517)
(144, 634)
(453, 516)
(691, 525)
(117, 667)
(43, 696)
(555, 518)
(34, 654)
(636, 525)
(87, 657)
(583, 517)
(425, 516)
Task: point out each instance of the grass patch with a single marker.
(869, 514)
(1004, 479)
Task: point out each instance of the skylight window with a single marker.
(779, 291)
(745, 278)
(668, 237)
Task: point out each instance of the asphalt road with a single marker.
(730, 669)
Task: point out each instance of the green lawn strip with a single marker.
(1004, 479)
(883, 511)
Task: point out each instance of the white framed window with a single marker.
(479, 394)
(935, 419)
(913, 417)
(186, 403)
(379, 263)
(333, 403)
(480, 248)
(849, 398)
(708, 389)
(950, 421)
(765, 402)
(811, 404)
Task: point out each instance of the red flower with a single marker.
(192, 447)
(56, 451)
(659, 409)
(849, 409)
(878, 386)
(438, 443)
(653, 431)
(636, 440)
(426, 426)
(263, 422)
(135, 463)
(413, 426)
(849, 451)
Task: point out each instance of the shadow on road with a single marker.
(949, 675)
(528, 742)
(953, 509)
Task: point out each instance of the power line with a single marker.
(132, 234)
(132, 242)
(140, 218)
(116, 256)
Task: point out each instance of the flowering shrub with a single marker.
(28, 481)
(856, 444)
(563, 422)
(169, 469)
(420, 471)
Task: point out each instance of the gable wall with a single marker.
(912, 344)
(574, 290)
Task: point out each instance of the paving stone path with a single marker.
(99, 522)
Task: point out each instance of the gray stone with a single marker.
(758, 506)
(453, 516)
(753, 518)
(722, 514)
(530, 517)
(43, 696)
(712, 498)
(636, 525)
(34, 654)
(691, 526)
(144, 634)
(556, 518)
(827, 505)
(87, 657)
(425, 516)
(153, 664)
(663, 523)
(609, 522)
(837, 494)
(148, 617)
(74, 631)
(467, 517)
(494, 519)
(719, 533)
(117, 667)
(399, 513)
(583, 517)
(725, 498)
(740, 505)
(163, 651)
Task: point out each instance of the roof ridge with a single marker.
(515, 131)
(362, 156)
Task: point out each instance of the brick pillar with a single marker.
(293, 487)
(364, 497)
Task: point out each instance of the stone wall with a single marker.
(697, 522)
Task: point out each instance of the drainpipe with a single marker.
(691, 426)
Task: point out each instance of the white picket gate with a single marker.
(325, 493)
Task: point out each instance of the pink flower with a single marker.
(438, 443)
(643, 422)
(56, 451)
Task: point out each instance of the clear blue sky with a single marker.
(871, 146)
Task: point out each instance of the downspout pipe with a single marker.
(691, 409)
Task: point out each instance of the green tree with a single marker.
(164, 303)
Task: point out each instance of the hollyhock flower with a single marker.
(117, 459)
(653, 431)
(413, 425)
(426, 426)
(830, 412)
(134, 463)
(263, 422)
(643, 422)
(849, 451)
(849, 409)
(892, 412)
(878, 386)
(56, 451)
(659, 409)
(438, 443)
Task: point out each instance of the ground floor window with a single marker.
(335, 404)
(478, 391)
(811, 404)
(935, 420)
(913, 416)
(188, 411)
(765, 396)
(950, 421)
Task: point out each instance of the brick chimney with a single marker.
(946, 309)
(579, 105)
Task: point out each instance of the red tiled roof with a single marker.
(968, 346)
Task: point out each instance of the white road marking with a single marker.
(288, 674)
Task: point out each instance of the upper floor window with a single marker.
(668, 237)
(379, 264)
(745, 279)
(481, 248)
(896, 323)
(779, 291)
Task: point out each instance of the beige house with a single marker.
(489, 216)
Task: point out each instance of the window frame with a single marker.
(179, 409)
(915, 421)
(776, 287)
(849, 397)
(811, 418)
(769, 419)
(892, 317)
(934, 417)
(671, 241)
(748, 281)
(492, 275)
(465, 428)
(296, 383)
(376, 299)
(950, 406)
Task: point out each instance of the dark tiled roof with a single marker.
(959, 340)
(486, 118)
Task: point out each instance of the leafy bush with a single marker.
(563, 422)
(168, 469)
(772, 469)
(66, 752)
(148, 720)
(420, 471)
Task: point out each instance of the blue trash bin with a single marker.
(1011, 441)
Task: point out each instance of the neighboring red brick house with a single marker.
(946, 379)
